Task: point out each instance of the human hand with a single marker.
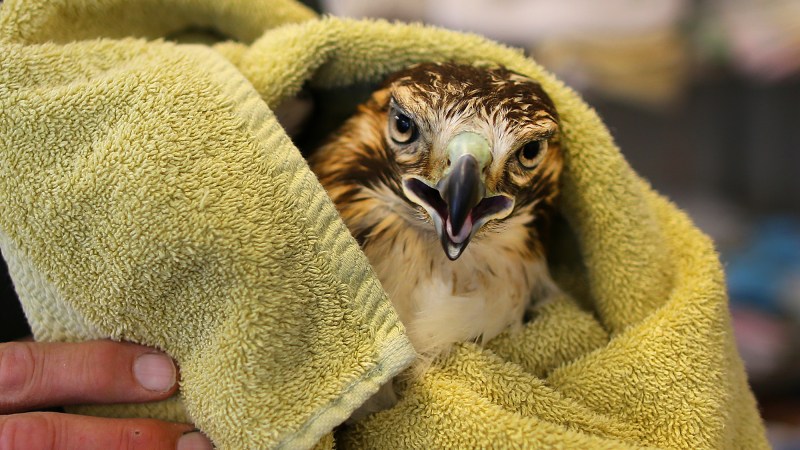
(38, 375)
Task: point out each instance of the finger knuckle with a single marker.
(144, 434)
(17, 372)
(27, 431)
(95, 366)
(100, 377)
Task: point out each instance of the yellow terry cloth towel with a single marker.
(147, 193)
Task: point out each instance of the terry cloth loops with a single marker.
(147, 193)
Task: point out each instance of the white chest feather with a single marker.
(473, 298)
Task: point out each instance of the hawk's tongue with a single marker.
(463, 234)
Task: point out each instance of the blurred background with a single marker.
(703, 98)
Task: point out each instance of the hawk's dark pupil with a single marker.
(402, 123)
(530, 150)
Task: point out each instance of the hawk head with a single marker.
(451, 149)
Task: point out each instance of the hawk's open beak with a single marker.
(458, 203)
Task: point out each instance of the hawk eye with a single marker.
(402, 129)
(528, 154)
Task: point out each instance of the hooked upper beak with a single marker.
(458, 203)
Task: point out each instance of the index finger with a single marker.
(35, 375)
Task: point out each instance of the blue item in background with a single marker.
(763, 273)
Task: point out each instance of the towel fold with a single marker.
(147, 193)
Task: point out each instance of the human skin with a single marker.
(36, 375)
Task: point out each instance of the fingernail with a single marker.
(155, 372)
(194, 441)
